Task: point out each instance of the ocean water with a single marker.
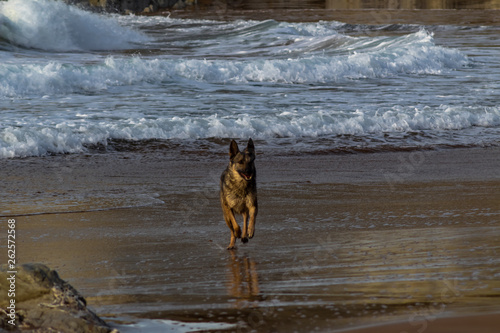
(72, 81)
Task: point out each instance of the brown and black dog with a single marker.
(238, 192)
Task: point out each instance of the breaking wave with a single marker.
(410, 54)
(51, 25)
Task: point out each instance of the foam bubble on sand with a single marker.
(161, 326)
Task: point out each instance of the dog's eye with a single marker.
(240, 162)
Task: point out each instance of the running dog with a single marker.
(238, 192)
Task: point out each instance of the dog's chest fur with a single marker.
(238, 193)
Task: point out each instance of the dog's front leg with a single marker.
(232, 224)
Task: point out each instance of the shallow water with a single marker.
(294, 87)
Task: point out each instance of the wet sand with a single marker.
(462, 324)
(342, 241)
(463, 17)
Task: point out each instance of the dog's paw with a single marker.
(244, 240)
(251, 233)
(231, 247)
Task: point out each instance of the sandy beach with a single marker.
(343, 241)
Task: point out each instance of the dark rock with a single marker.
(133, 5)
(46, 303)
(166, 3)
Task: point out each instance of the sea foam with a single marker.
(35, 138)
(55, 26)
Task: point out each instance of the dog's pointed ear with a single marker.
(233, 149)
(250, 146)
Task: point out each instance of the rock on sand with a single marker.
(46, 303)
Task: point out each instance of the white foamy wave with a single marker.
(412, 54)
(390, 61)
(35, 139)
(55, 26)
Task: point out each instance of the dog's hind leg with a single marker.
(244, 238)
(251, 224)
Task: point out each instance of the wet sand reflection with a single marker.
(243, 281)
